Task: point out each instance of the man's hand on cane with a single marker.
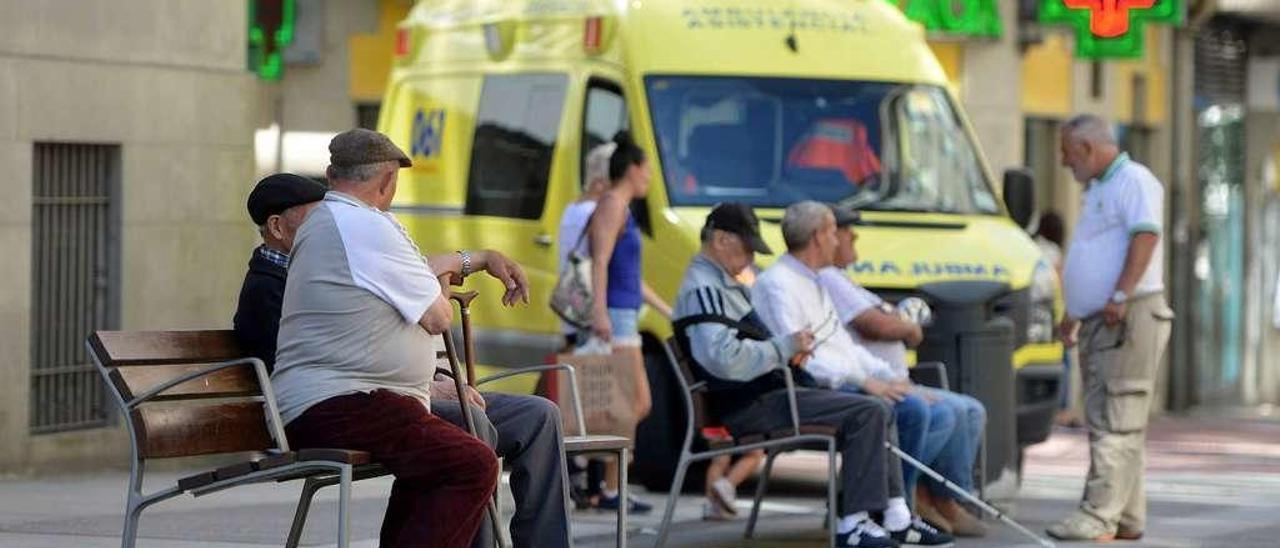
(495, 264)
(444, 389)
(510, 274)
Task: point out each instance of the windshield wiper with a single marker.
(881, 206)
(860, 200)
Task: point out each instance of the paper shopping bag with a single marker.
(606, 388)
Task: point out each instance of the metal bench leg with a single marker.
(624, 500)
(495, 511)
(673, 497)
(760, 489)
(344, 507)
(309, 488)
(831, 493)
(132, 514)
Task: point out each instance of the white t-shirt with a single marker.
(357, 288)
(1126, 200)
(852, 300)
(788, 298)
(572, 223)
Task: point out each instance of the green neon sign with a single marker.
(957, 17)
(271, 24)
(1111, 29)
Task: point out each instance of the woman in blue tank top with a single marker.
(618, 283)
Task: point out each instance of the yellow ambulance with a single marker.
(766, 102)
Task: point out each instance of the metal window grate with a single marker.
(73, 283)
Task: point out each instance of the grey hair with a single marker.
(359, 173)
(1090, 128)
(801, 222)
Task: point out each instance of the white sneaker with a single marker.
(711, 511)
(724, 495)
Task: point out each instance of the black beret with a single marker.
(281, 191)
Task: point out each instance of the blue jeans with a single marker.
(955, 458)
(923, 430)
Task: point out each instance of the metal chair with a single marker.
(798, 436)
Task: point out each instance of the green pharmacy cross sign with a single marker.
(1111, 28)
(270, 31)
(954, 17)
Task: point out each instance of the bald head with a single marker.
(1088, 146)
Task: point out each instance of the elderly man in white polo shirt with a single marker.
(1116, 310)
(789, 297)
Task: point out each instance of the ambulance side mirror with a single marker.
(1020, 195)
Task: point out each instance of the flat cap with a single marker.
(359, 146)
(276, 193)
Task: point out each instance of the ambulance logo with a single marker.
(427, 133)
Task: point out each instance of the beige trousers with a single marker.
(1118, 368)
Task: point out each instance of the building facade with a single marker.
(126, 133)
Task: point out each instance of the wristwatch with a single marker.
(1120, 297)
(466, 262)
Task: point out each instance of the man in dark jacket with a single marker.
(278, 205)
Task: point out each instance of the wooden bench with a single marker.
(192, 393)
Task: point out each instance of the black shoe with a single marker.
(637, 506)
(920, 533)
(866, 534)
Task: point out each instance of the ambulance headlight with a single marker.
(1044, 284)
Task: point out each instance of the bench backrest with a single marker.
(222, 412)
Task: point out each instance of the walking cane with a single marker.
(965, 494)
(464, 300)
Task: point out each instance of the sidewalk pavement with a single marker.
(1212, 482)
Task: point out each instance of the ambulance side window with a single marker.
(605, 115)
(517, 125)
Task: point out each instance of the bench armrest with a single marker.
(931, 374)
(575, 395)
(792, 406)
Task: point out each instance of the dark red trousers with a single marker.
(444, 476)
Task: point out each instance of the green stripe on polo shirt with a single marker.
(1115, 166)
(1139, 228)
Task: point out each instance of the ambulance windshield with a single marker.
(770, 142)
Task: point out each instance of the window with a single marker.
(75, 281)
(605, 115)
(516, 130)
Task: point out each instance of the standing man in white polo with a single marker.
(1116, 311)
